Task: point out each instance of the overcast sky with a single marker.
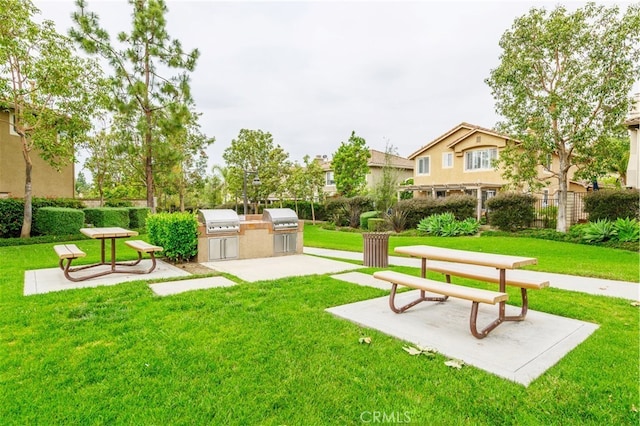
(309, 73)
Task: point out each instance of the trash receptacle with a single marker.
(376, 249)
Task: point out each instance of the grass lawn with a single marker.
(267, 353)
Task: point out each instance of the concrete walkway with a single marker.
(597, 286)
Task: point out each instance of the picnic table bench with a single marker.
(144, 247)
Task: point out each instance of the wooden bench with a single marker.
(490, 275)
(68, 252)
(447, 290)
(144, 247)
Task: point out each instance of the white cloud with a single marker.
(311, 72)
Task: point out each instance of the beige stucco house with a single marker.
(633, 123)
(46, 181)
(462, 161)
(376, 163)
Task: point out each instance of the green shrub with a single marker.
(446, 225)
(627, 230)
(177, 233)
(12, 212)
(138, 216)
(598, 231)
(355, 206)
(364, 218)
(58, 221)
(510, 211)
(376, 225)
(336, 211)
(107, 216)
(461, 206)
(612, 204)
(396, 220)
(549, 216)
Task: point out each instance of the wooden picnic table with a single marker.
(500, 262)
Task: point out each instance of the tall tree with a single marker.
(253, 154)
(139, 90)
(313, 181)
(47, 89)
(349, 165)
(386, 188)
(562, 86)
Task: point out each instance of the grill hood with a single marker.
(281, 218)
(219, 220)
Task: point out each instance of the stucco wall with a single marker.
(46, 181)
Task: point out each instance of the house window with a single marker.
(12, 124)
(423, 165)
(447, 160)
(330, 181)
(481, 159)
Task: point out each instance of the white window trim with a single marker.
(447, 155)
(428, 158)
(326, 179)
(481, 169)
(12, 124)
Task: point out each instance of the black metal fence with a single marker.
(546, 209)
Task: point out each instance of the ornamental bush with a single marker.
(177, 233)
(510, 211)
(364, 218)
(58, 221)
(612, 204)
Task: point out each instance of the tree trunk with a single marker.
(28, 207)
(561, 224)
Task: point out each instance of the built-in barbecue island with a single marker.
(225, 235)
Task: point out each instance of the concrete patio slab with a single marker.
(273, 268)
(517, 351)
(363, 280)
(176, 287)
(41, 281)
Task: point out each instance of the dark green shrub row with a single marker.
(107, 216)
(57, 221)
(138, 216)
(416, 209)
(376, 225)
(612, 204)
(12, 212)
(511, 210)
(177, 233)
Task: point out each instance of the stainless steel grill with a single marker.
(219, 220)
(281, 219)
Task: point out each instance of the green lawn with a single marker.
(267, 353)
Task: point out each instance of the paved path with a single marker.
(597, 286)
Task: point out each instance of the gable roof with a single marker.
(377, 159)
(471, 129)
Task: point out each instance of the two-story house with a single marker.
(402, 166)
(46, 181)
(461, 161)
(633, 125)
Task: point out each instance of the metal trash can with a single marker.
(376, 249)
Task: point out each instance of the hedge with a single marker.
(612, 204)
(58, 221)
(12, 212)
(510, 210)
(107, 216)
